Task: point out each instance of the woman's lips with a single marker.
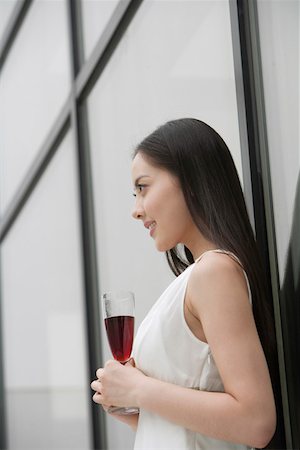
(151, 225)
(152, 228)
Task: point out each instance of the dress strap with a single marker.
(219, 250)
(233, 256)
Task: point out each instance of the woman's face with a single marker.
(160, 205)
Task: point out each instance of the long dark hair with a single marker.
(194, 152)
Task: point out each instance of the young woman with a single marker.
(200, 379)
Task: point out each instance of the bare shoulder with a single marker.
(219, 267)
(217, 276)
(218, 297)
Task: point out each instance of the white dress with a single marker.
(165, 348)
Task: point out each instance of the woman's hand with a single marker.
(117, 384)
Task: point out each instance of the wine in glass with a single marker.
(118, 309)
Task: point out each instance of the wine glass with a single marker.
(118, 309)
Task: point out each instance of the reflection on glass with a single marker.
(95, 17)
(33, 87)
(43, 316)
(181, 67)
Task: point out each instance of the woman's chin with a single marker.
(163, 246)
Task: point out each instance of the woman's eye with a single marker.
(138, 189)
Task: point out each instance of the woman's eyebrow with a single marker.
(139, 178)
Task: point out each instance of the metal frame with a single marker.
(97, 419)
(239, 85)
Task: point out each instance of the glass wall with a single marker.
(95, 17)
(279, 26)
(183, 69)
(43, 316)
(35, 82)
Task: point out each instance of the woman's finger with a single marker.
(97, 398)
(96, 385)
(99, 373)
(130, 362)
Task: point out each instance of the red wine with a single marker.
(120, 336)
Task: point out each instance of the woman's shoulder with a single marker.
(217, 274)
(216, 263)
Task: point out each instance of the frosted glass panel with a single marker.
(95, 17)
(175, 60)
(34, 84)
(45, 360)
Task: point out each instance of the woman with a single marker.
(201, 379)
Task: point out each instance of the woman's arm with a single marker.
(245, 412)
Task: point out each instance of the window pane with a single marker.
(279, 27)
(43, 316)
(95, 17)
(6, 9)
(280, 46)
(34, 85)
(183, 68)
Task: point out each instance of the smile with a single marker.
(151, 226)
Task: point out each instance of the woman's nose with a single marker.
(137, 212)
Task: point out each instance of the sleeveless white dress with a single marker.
(165, 348)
